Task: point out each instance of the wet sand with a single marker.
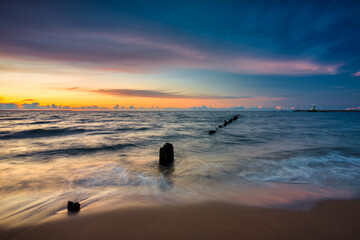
(335, 219)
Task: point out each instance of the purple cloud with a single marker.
(129, 52)
(357, 74)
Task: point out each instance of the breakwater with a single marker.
(326, 111)
(225, 124)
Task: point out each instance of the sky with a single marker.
(179, 54)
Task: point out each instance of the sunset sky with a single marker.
(221, 54)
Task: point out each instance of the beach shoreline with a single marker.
(330, 219)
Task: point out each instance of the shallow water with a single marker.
(106, 159)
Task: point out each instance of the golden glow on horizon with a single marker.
(25, 81)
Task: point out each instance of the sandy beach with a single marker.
(334, 219)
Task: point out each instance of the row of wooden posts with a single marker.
(225, 124)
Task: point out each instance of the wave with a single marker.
(76, 150)
(332, 169)
(12, 119)
(101, 133)
(43, 122)
(110, 174)
(132, 129)
(38, 133)
(312, 152)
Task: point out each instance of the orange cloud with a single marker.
(28, 100)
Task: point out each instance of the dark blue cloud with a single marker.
(5, 106)
(34, 105)
(324, 32)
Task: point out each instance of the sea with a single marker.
(110, 159)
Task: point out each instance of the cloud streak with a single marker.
(160, 94)
(28, 100)
(142, 53)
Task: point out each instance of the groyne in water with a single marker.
(326, 111)
(211, 132)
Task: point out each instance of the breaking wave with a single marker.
(39, 133)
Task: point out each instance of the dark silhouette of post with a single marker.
(166, 155)
(73, 206)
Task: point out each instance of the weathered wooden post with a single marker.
(73, 206)
(166, 155)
